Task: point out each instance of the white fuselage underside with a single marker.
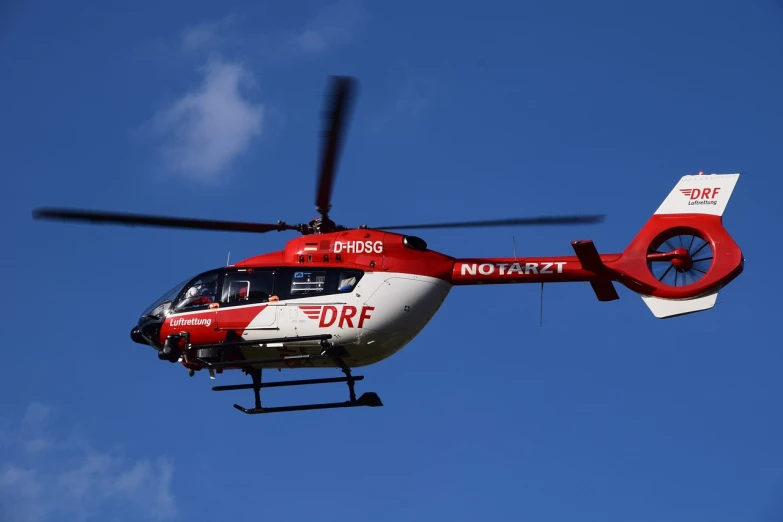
(382, 314)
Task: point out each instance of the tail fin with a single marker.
(683, 256)
(700, 194)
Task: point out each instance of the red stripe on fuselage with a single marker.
(211, 326)
(238, 318)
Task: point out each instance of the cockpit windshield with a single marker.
(200, 291)
(165, 298)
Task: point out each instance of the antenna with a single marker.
(514, 242)
(228, 259)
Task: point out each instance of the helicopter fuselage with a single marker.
(372, 291)
(378, 317)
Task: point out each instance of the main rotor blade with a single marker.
(342, 92)
(61, 214)
(543, 220)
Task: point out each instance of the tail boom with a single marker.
(586, 266)
(685, 238)
(504, 270)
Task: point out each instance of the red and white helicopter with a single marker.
(344, 298)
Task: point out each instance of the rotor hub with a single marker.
(681, 259)
(322, 226)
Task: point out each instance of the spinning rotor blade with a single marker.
(543, 220)
(156, 221)
(342, 91)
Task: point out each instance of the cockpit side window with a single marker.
(199, 293)
(165, 298)
(247, 286)
(304, 283)
(347, 280)
(308, 282)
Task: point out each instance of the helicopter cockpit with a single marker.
(191, 293)
(234, 286)
(159, 306)
(201, 290)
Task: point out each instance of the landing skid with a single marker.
(366, 399)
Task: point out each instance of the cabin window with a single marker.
(199, 293)
(347, 280)
(247, 286)
(308, 282)
(318, 281)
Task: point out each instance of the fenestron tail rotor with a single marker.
(680, 258)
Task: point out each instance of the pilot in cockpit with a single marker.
(200, 294)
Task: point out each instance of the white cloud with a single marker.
(332, 26)
(206, 129)
(199, 36)
(206, 35)
(69, 478)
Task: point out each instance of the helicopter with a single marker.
(348, 297)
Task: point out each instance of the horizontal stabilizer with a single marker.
(590, 260)
(665, 308)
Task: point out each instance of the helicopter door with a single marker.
(244, 302)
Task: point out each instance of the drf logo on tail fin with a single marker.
(705, 193)
(705, 196)
(345, 316)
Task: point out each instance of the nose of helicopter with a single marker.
(136, 337)
(146, 332)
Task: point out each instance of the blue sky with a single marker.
(211, 110)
